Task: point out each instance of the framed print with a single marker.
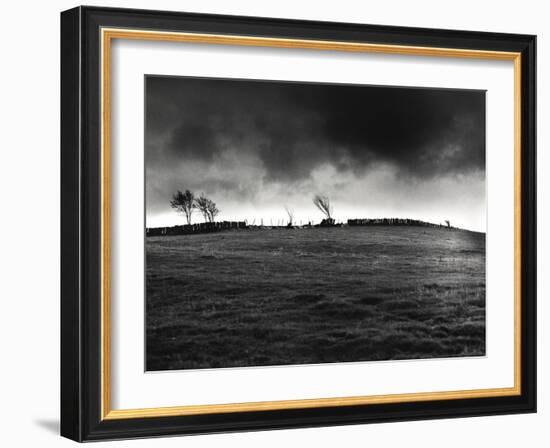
(276, 224)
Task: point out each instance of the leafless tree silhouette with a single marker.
(290, 214)
(184, 203)
(202, 204)
(207, 207)
(212, 210)
(323, 204)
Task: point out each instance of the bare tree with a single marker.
(184, 203)
(323, 204)
(207, 207)
(448, 223)
(212, 210)
(202, 204)
(290, 214)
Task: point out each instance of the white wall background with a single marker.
(29, 199)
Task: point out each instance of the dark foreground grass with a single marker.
(272, 297)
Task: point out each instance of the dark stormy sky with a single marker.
(257, 146)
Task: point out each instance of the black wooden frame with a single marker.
(81, 224)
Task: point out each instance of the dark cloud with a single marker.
(254, 145)
(295, 127)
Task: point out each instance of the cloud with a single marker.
(295, 127)
(233, 138)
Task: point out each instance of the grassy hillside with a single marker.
(270, 297)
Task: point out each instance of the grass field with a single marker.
(272, 297)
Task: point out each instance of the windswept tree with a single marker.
(212, 209)
(290, 214)
(184, 203)
(207, 207)
(202, 204)
(323, 204)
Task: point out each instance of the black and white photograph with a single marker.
(282, 219)
(292, 223)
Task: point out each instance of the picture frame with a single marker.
(87, 35)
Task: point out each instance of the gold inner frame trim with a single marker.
(107, 35)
